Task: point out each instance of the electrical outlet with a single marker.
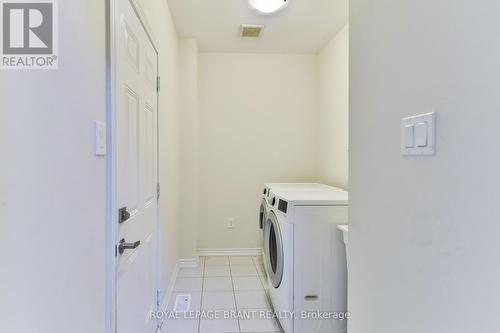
(230, 224)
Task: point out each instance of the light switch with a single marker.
(418, 135)
(421, 134)
(409, 136)
(100, 138)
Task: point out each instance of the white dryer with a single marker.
(267, 198)
(305, 259)
(267, 201)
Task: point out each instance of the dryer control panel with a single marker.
(283, 206)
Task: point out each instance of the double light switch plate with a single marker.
(418, 135)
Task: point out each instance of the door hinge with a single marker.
(158, 191)
(157, 83)
(158, 298)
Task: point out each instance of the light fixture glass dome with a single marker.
(268, 6)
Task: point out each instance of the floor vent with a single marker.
(182, 303)
(251, 30)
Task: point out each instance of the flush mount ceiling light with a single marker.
(267, 7)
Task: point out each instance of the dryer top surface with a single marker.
(313, 198)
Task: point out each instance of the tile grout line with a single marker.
(266, 292)
(254, 264)
(234, 294)
(202, 291)
(260, 277)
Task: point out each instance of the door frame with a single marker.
(111, 162)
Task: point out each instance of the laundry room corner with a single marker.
(189, 153)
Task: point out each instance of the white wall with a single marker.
(189, 163)
(53, 188)
(258, 116)
(333, 95)
(424, 230)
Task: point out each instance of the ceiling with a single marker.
(304, 26)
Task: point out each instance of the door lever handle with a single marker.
(127, 246)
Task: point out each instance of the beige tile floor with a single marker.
(223, 284)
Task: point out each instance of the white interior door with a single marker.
(136, 171)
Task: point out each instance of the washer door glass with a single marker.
(273, 246)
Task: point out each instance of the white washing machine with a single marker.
(267, 197)
(267, 201)
(305, 259)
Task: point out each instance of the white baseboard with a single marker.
(170, 289)
(189, 263)
(206, 252)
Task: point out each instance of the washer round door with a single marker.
(273, 247)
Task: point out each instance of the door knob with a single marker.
(127, 246)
